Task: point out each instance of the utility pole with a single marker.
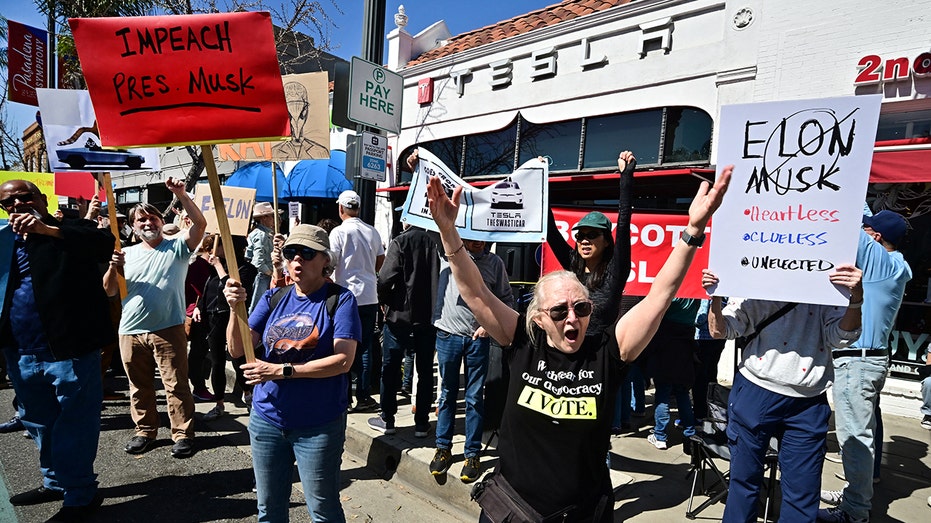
(373, 50)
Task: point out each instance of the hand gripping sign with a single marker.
(163, 80)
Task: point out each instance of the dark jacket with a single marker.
(68, 288)
(407, 279)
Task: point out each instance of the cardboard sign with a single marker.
(193, 79)
(27, 55)
(795, 204)
(307, 96)
(238, 203)
(652, 238)
(510, 210)
(44, 181)
(69, 125)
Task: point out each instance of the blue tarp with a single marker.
(308, 179)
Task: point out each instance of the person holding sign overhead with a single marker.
(152, 325)
(780, 391)
(556, 427)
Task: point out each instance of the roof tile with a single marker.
(551, 15)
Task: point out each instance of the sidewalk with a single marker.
(650, 485)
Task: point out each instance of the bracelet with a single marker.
(451, 254)
(855, 305)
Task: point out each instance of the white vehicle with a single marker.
(507, 195)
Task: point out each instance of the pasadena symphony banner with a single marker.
(192, 79)
(27, 57)
(652, 238)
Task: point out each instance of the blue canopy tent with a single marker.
(306, 179)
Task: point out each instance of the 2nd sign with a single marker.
(375, 95)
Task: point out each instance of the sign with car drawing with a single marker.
(508, 210)
(73, 142)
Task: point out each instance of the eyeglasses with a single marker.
(25, 197)
(561, 311)
(306, 253)
(591, 235)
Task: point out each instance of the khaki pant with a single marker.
(166, 348)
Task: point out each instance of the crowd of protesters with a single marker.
(315, 297)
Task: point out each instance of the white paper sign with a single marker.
(794, 207)
(72, 140)
(509, 210)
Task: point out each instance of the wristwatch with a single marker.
(694, 241)
(287, 370)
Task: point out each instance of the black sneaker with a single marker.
(14, 425)
(37, 496)
(182, 448)
(441, 462)
(138, 444)
(470, 470)
(421, 431)
(77, 514)
(365, 405)
(381, 425)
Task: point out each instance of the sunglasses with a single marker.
(591, 235)
(561, 311)
(25, 197)
(291, 252)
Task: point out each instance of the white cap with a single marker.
(349, 200)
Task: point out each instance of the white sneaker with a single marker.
(661, 445)
(214, 413)
(832, 497)
(926, 422)
(833, 457)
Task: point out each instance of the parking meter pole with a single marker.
(114, 227)
(373, 50)
(275, 194)
(216, 193)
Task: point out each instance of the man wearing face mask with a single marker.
(54, 321)
(152, 326)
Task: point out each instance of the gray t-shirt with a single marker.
(450, 313)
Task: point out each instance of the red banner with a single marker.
(193, 79)
(652, 237)
(27, 56)
(79, 185)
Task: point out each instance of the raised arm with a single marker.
(626, 163)
(635, 329)
(194, 234)
(499, 320)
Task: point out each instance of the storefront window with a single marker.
(490, 153)
(558, 141)
(606, 136)
(688, 135)
(902, 126)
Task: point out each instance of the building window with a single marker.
(687, 136)
(606, 136)
(491, 153)
(902, 126)
(560, 142)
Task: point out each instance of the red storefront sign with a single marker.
(193, 79)
(652, 238)
(27, 56)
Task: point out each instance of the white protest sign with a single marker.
(238, 203)
(509, 210)
(794, 207)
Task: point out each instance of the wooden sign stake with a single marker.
(114, 227)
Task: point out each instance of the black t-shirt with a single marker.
(556, 429)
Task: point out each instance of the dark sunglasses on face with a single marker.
(306, 253)
(23, 198)
(561, 311)
(591, 235)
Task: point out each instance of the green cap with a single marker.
(595, 220)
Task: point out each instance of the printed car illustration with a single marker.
(92, 154)
(506, 194)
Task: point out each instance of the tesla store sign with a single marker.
(875, 69)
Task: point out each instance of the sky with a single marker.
(346, 36)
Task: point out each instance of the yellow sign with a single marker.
(44, 181)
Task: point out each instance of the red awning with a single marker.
(902, 161)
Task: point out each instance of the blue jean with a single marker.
(755, 415)
(362, 364)
(926, 396)
(451, 350)
(318, 452)
(661, 411)
(858, 382)
(262, 283)
(397, 342)
(631, 397)
(59, 402)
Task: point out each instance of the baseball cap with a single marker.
(595, 220)
(891, 225)
(349, 199)
(309, 236)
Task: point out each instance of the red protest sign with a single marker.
(27, 54)
(652, 237)
(193, 79)
(78, 185)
